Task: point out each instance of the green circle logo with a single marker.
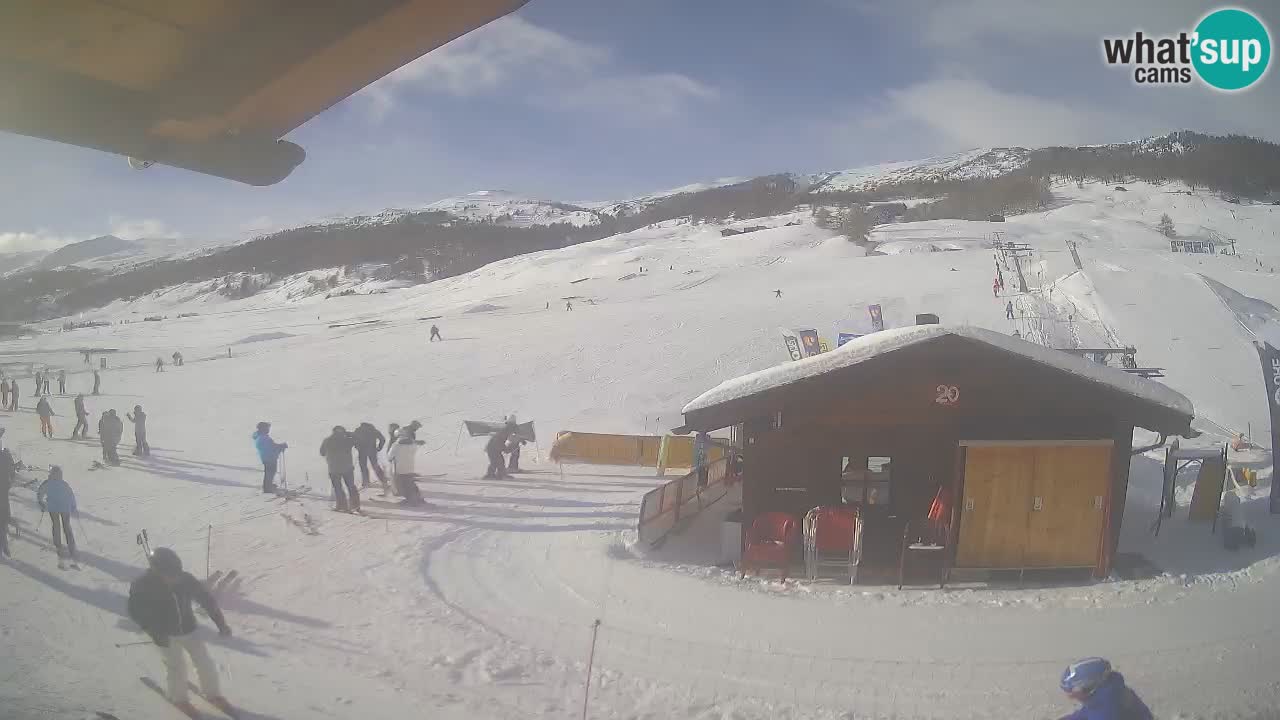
(1232, 49)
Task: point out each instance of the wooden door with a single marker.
(993, 512)
(1068, 504)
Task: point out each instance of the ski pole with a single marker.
(132, 644)
(80, 525)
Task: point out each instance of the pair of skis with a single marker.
(194, 713)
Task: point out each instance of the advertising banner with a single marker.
(1270, 357)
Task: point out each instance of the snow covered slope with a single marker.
(482, 606)
(966, 165)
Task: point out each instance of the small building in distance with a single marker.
(1025, 448)
(1193, 246)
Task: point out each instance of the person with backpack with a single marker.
(269, 452)
(336, 451)
(56, 498)
(45, 411)
(160, 602)
(1101, 692)
(139, 420)
(369, 442)
(8, 471)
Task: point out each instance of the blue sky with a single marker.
(588, 100)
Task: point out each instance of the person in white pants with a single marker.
(160, 602)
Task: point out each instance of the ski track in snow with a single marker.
(481, 606)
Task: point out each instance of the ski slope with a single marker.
(482, 605)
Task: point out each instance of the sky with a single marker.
(578, 100)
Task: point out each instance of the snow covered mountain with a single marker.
(487, 603)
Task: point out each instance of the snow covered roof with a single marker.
(877, 344)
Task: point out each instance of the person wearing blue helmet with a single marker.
(1101, 692)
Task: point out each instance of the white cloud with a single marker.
(15, 242)
(513, 56)
(662, 96)
(137, 229)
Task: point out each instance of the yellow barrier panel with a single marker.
(627, 450)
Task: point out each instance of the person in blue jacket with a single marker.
(1101, 692)
(269, 451)
(57, 499)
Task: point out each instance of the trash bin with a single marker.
(731, 538)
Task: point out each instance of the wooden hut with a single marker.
(1026, 447)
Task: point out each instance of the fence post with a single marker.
(591, 659)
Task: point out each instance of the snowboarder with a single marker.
(6, 481)
(82, 419)
(435, 334)
(402, 455)
(62, 382)
(97, 382)
(56, 498)
(777, 293)
(139, 420)
(493, 449)
(269, 452)
(13, 394)
(160, 602)
(369, 442)
(1101, 693)
(111, 429)
(45, 412)
(336, 451)
(159, 365)
(1008, 310)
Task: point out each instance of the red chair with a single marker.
(832, 538)
(770, 543)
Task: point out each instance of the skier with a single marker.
(393, 431)
(87, 355)
(46, 417)
(62, 382)
(493, 449)
(269, 452)
(97, 382)
(82, 419)
(1008, 310)
(139, 420)
(6, 481)
(777, 293)
(13, 394)
(177, 359)
(4, 394)
(995, 288)
(568, 306)
(411, 430)
(513, 452)
(402, 456)
(111, 428)
(39, 383)
(369, 442)
(336, 450)
(1101, 693)
(435, 334)
(160, 602)
(47, 381)
(159, 365)
(56, 498)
